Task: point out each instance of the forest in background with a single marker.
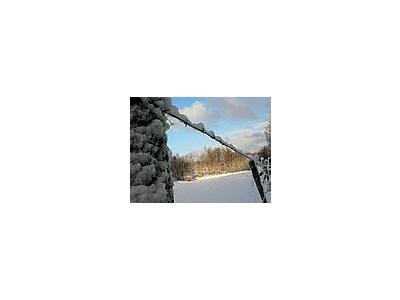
(211, 161)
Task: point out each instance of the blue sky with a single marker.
(239, 120)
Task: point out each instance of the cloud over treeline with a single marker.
(224, 109)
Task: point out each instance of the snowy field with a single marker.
(227, 188)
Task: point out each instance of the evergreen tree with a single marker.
(150, 177)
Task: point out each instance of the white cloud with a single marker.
(261, 126)
(248, 139)
(223, 109)
(234, 109)
(197, 112)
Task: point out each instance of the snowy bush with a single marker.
(150, 177)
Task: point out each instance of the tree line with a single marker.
(211, 161)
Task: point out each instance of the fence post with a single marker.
(257, 180)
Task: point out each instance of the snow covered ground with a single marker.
(227, 188)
